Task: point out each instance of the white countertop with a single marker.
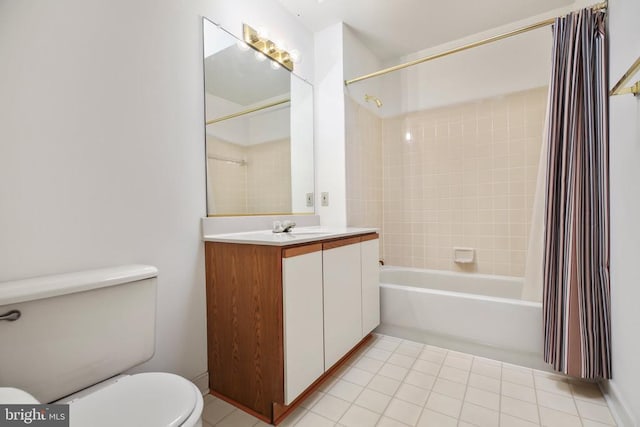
(297, 235)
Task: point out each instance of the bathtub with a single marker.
(477, 313)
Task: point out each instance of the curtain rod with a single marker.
(241, 162)
(619, 88)
(492, 39)
(250, 110)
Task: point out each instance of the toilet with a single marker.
(70, 338)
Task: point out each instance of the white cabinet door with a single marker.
(342, 301)
(370, 286)
(303, 322)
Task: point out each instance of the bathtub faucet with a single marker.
(283, 227)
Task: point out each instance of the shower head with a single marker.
(377, 101)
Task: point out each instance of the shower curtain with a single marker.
(576, 300)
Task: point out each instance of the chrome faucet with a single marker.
(283, 227)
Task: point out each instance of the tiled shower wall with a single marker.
(463, 175)
(364, 166)
(263, 185)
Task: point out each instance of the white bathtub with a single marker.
(468, 312)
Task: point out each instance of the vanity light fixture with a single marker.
(266, 47)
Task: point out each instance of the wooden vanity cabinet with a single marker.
(280, 317)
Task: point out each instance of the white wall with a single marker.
(329, 125)
(359, 60)
(302, 165)
(625, 206)
(102, 145)
(514, 64)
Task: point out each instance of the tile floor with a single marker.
(394, 382)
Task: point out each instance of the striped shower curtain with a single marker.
(576, 299)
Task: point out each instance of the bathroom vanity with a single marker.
(283, 310)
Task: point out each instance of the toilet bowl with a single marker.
(63, 344)
(152, 399)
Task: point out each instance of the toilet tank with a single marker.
(76, 329)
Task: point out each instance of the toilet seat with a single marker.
(149, 399)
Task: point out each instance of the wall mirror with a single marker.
(259, 131)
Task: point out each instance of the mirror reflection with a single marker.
(259, 131)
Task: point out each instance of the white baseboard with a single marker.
(202, 382)
(616, 403)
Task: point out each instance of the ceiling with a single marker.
(393, 28)
(245, 80)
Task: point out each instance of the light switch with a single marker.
(324, 199)
(309, 200)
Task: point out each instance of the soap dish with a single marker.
(463, 255)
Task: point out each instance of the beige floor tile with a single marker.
(552, 385)
(460, 354)
(328, 383)
(386, 345)
(314, 398)
(557, 402)
(420, 379)
(368, 364)
(393, 371)
(345, 390)
(410, 350)
(552, 418)
(412, 394)
(483, 398)
(384, 385)
(588, 392)
(444, 404)
(330, 407)
(401, 360)
(373, 400)
(358, 376)
(432, 356)
(378, 354)
(458, 362)
(517, 376)
(449, 388)
(454, 374)
(216, 410)
(486, 369)
(520, 392)
(484, 383)
(389, 422)
(479, 415)
(431, 418)
(295, 416)
(591, 423)
(311, 419)
(357, 416)
(402, 411)
(238, 418)
(520, 409)
(595, 412)
(511, 421)
(426, 367)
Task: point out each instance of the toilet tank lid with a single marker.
(17, 291)
(149, 399)
(15, 396)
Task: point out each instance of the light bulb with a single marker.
(260, 56)
(295, 55)
(274, 65)
(242, 45)
(263, 33)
